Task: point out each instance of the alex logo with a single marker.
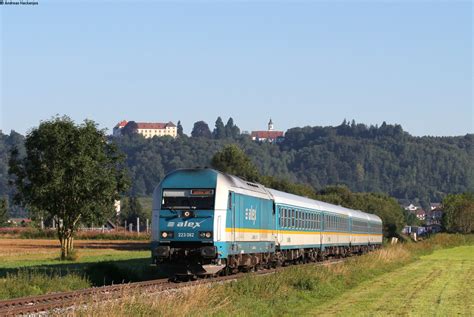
(251, 214)
(186, 224)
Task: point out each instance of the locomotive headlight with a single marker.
(205, 234)
(187, 214)
(167, 234)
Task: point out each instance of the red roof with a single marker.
(267, 134)
(147, 125)
(121, 124)
(154, 125)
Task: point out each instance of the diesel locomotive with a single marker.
(207, 222)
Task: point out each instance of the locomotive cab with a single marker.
(184, 208)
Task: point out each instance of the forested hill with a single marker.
(374, 159)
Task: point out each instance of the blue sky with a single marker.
(300, 63)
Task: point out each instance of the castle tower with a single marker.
(270, 125)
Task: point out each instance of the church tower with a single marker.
(270, 125)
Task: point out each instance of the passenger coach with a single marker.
(205, 222)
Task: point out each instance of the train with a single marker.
(205, 222)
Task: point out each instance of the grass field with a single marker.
(439, 284)
(16, 253)
(433, 277)
(32, 266)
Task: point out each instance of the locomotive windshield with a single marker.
(188, 199)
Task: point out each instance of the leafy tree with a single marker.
(3, 211)
(70, 173)
(387, 208)
(219, 131)
(232, 160)
(287, 186)
(201, 130)
(131, 209)
(180, 129)
(411, 219)
(459, 213)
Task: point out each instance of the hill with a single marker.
(366, 159)
(369, 159)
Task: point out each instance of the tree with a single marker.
(232, 160)
(201, 130)
(387, 208)
(219, 131)
(3, 211)
(70, 173)
(131, 209)
(231, 130)
(180, 129)
(459, 213)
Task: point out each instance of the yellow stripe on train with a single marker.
(250, 230)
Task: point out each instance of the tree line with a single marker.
(364, 158)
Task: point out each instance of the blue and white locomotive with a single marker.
(208, 222)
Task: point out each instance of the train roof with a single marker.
(295, 200)
(245, 187)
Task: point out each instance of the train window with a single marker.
(284, 217)
(292, 218)
(283, 211)
(188, 199)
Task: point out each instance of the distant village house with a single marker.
(270, 135)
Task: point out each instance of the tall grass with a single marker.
(34, 233)
(290, 292)
(28, 283)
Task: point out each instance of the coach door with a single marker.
(281, 223)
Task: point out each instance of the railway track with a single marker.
(49, 302)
